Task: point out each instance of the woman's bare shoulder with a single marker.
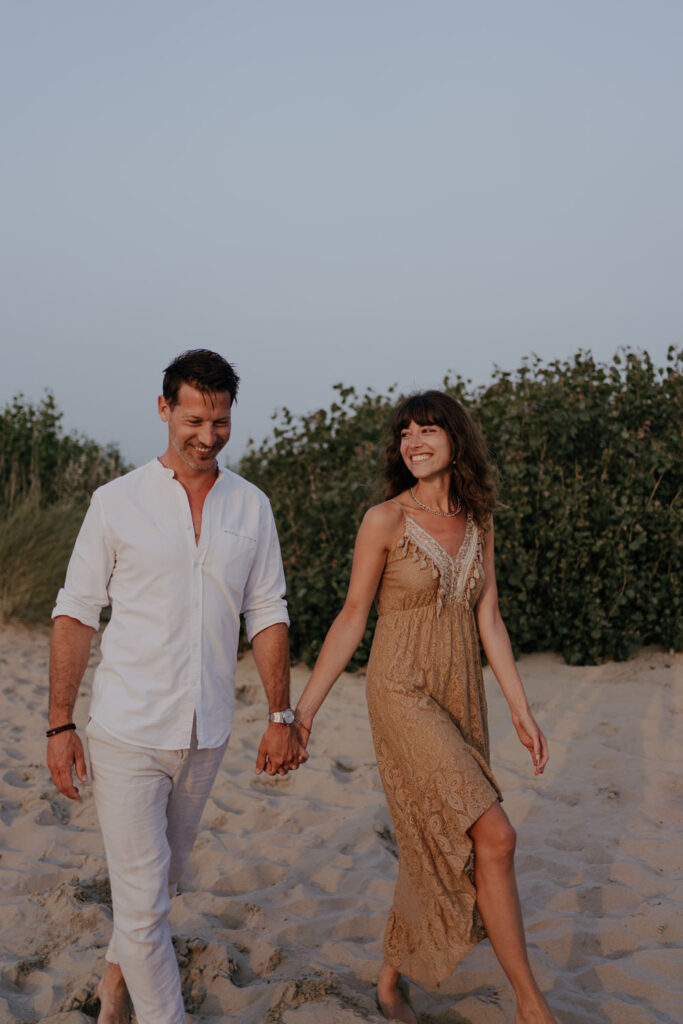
(387, 514)
(384, 523)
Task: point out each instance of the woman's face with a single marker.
(425, 449)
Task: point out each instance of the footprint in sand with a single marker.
(248, 877)
(85, 999)
(55, 813)
(201, 963)
(610, 792)
(233, 914)
(19, 779)
(94, 890)
(342, 769)
(9, 810)
(388, 839)
(490, 996)
(24, 968)
(276, 783)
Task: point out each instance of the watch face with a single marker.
(286, 717)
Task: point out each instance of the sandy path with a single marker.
(283, 904)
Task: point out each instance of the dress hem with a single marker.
(434, 980)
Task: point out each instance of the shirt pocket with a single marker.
(237, 557)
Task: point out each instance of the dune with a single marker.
(282, 908)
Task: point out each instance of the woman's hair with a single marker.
(473, 479)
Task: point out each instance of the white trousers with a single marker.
(149, 803)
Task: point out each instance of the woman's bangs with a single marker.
(417, 409)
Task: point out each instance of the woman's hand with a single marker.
(531, 737)
(303, 724)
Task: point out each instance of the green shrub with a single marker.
(589, 546)
(321, 473)
(46, 478)
(38, 459)
(588, 537)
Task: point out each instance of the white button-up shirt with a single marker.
(170, 649)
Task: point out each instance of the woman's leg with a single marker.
(498, 903)
(391, 999)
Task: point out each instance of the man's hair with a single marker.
(201, 369)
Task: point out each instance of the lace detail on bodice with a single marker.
(459, 575)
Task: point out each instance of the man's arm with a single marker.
(69, 653)
(76, 617)
(279, 749)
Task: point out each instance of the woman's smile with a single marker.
(425, 445)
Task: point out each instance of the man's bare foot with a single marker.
(114, 998)
(392, 1002)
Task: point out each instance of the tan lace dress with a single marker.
(428, 717)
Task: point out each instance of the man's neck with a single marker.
(195, 481)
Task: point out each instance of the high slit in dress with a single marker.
(428, 717)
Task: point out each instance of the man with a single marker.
(180, 550)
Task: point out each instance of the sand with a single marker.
(283, 905)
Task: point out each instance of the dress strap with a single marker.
(406, 517)
(402, 508)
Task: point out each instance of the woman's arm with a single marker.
(496, 644)
(377, 533)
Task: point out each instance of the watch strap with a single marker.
(285, 717)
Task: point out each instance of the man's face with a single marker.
(198, 425)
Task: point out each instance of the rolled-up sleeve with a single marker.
(264, 601)
(84, 593)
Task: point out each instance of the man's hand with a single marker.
(64, 752)
(279, 750)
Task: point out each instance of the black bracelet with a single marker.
(60, 728)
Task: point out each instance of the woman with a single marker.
(429, 549)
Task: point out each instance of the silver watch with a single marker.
(285, 717)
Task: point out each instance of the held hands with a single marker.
(280, 750)
(64, 753)
(532, 738)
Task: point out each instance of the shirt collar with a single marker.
(170, 474)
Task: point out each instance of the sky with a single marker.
(371, 192)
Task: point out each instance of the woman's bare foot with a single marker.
(391, 1000)
(114, 998)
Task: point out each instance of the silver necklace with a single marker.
(436, 511)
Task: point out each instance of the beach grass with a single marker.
(35, 545)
